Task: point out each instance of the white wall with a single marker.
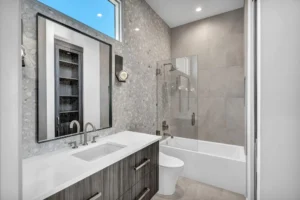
(249, 73)
(279, 130)
(91, 74)
(10, 101)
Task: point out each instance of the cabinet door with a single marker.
(154, 181)
(141, 190)
(89, 188)
(127, 173)
(154, 155)
(108, 180)
(126, 196)
(142, 164)
(118, 178)
(147, 155)
(97, 185)
(58, 196)
(147, 187)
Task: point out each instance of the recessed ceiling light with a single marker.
(137, 29)
(198, 9)
(99, 15)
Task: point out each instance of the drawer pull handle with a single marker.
(142, 165)
(147, 190)
(96, 196)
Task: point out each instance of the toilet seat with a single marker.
(169, 161)
(170, 169)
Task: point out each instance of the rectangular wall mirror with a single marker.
(74, 80)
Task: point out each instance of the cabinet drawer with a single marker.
(154, 155)
(147, 187)
(146, 160)
(88, 189)
(134, 177)
(118, 178)
(141, 190)
(126, 196)
(154, 181)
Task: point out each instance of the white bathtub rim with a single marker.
(167, 161)
(243, 159)
(217, 156)
(204, 141)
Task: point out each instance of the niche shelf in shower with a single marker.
(68, 79)
(68, 62)
(69, 96)
(70, 111)
(68, 93)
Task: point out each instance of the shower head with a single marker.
(172, 67)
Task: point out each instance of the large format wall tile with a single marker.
(221, 82)
(235, 84)
(204, 79)
(211, 118)
(235, 113)
(218, 82)
(218, 41)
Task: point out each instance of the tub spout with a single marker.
(168, 134)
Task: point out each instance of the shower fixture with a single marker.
(120, 73)
(165, 126)
(172, 66)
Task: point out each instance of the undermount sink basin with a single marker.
(99, 151)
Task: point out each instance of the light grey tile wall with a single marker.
(134, 102)
(218, 42)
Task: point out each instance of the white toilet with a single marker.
(169, 170)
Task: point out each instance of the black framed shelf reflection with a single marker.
(68, 62)
(68, 82)
(68, 79)
(68, 86)
(70, 111)
(69, 96)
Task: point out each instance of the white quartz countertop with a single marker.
(50, 173)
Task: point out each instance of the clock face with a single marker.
(123, 75)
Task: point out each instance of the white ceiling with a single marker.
(179, 12)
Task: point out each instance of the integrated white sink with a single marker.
(99, 151)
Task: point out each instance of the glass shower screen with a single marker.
(177, 99)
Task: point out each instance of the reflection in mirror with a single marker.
(74, 81)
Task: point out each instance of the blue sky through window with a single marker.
(87, 11)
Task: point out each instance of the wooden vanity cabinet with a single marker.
(85, 189)
(133, 178)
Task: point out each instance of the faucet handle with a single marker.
(75, 145)
(94, 138)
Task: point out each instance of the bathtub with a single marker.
(216, 164)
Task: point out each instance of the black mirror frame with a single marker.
(110, 78)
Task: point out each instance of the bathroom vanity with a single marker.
(123, 166)
(75, 88)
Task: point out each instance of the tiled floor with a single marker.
(187, 189)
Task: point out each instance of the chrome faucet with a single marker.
(73, 143)
(85, 132)
(77, 124)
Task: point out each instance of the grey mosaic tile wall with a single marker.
(134, 102)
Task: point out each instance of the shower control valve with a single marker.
(165, 126)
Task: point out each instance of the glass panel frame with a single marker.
(177, 99)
